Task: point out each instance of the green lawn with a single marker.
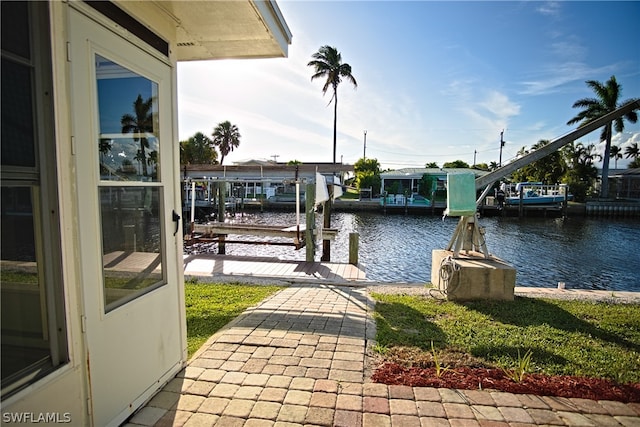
(210, 306)
(350, 194)
(565, 337)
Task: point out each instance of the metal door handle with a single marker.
(176, 219)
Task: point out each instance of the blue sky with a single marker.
(436, 80)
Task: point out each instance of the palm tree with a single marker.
(581, 173)
(327, 63)
(226, 137)
(593, 108)
(616, 154)
(548, 169)
(198, 149)
(153, 161)
(104, 146)
(585, 155)
(632, 151)
(140, 124)
(141, 158)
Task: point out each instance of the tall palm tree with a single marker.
(226, 137)
(616, 154)
(140, 124)
(606, 101)
(327, 63)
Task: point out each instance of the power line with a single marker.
(436, 155)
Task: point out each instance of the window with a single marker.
(130, 192)
(33, 340)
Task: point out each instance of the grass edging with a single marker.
(210, 307)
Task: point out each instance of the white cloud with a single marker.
(500, 106)
(554, 78)
(569, 49)
(549, 8)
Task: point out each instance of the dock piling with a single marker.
(354, 245)
(310, 241)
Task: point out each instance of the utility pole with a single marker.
(474, 157)
(502, 142)
(364, 154)
(275, 157)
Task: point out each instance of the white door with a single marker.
(124, 160)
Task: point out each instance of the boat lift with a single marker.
(215, 230)
(475, 274)
(218, 231)
(469, 235)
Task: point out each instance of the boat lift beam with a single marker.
(489, 179)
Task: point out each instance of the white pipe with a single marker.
(298, 204)
(193, 201)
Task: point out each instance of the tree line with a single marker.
(203, 150)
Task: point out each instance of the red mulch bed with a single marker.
(467, 378)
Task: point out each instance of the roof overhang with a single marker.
(228, 29)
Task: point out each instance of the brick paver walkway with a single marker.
(299, 359)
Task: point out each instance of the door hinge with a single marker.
(89, 407)
(83, 323)
(68, 51)
(73, 145)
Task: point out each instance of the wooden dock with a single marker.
(216, 228)
(212, 265)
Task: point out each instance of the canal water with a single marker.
(584, 253)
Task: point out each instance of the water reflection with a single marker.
(584, 253)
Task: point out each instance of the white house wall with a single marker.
(45, 396)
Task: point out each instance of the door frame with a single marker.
(91, 33)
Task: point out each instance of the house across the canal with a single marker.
(625, 184)
(258, 179)
(412, 183)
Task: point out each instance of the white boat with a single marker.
(537, 193)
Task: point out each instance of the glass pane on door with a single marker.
(128, 151)
(131, 242)
(128, 146)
